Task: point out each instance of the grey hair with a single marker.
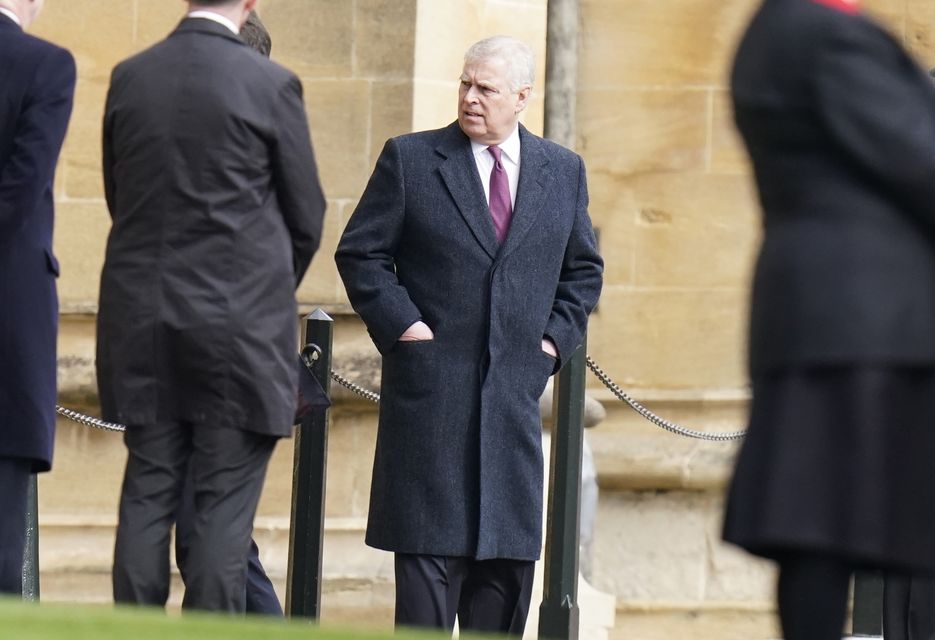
(518, 56)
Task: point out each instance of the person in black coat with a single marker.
(472, 261)
(260, 595)
(909, 600)
(217, 211)
(37, 85)
(835, 472)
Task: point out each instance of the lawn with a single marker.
(23, 621)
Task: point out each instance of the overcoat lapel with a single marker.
(534, 177)
(459, 171)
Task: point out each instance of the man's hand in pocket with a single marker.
(416, 332)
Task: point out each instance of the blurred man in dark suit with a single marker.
(217, 211)
(260, 595)
(37, 85)
(835, 471)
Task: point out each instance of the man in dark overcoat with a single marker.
(37, 85)
(472, 261)
(260, 595)
(217, 210)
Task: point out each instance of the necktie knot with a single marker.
(495, 152)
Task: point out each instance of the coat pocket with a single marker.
(409, 369)
(547, 369)
(51, 263)
(549, 361)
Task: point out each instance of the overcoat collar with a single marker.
(850, 7)
(459, 171)
(210, 27)
(7, 23)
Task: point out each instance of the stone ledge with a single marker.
(632, 454)
(695, 623)
(72, 543)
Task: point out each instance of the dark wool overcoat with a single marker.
(217, 210)
(37, 83)
(839, 122)
(458, 467)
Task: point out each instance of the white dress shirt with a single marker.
(216, 17)
(12, 16)
(509, 157)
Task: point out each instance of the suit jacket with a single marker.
(840, 126)
(217, 210)
(458, 466)
(37, 84)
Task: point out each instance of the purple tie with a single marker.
(501, 207)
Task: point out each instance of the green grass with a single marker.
(24, 621)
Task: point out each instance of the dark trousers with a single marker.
(908, 607)
(228, 470)
(812, 595)
(260, 596)
(486, 595)
(14, 487)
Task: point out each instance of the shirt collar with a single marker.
(12, 16)
(216, 17)
(509, 147)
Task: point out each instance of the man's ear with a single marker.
(248, 6)
(523, 98)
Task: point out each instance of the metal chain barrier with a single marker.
(367, 394)
(89, 421)
(655, 419)
(373, 396)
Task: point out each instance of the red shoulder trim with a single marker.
(851, 7)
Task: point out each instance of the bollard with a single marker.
(31, 552)
(558, 613)
(306, 532)
(867, 617)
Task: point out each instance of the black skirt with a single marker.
(839, 460)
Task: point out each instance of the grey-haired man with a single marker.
(472, 261)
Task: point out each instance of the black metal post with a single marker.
(867, 617)
(306, 533)
(558, 613)
(31, 552)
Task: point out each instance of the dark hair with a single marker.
(255, 34)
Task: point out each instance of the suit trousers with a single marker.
(260, 595)
(14, 487)
(908, 607)
(228, 470)
(490, 596)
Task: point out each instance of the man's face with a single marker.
(488, 110)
